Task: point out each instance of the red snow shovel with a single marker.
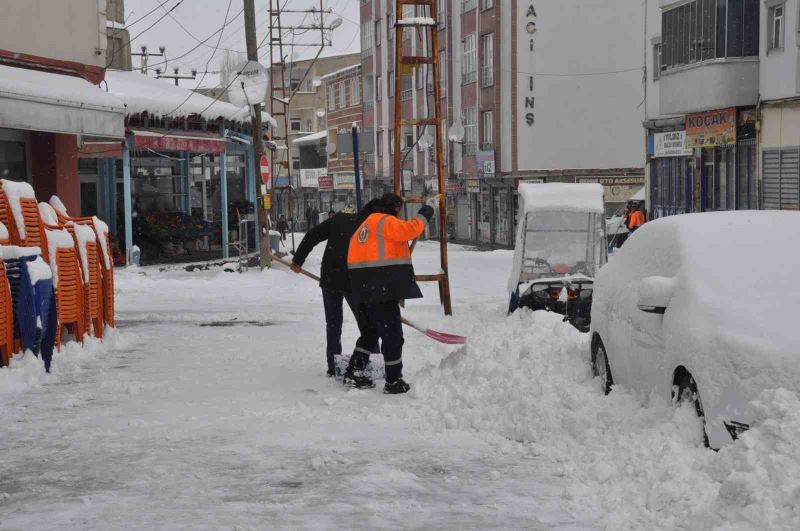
(441, 337)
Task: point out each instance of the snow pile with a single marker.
(15, 191)
(24, 372)
(38, 269)
(48, 214)
(101, 229)
(83, 235)
(416, 21)
(561, 196)
(57, 239)
(4, 232)
(15, 252)
(56, 203)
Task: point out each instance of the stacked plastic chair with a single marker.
(6, 307)
(85, 240)
(104, 255)
(58, 249)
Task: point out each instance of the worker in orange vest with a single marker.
(635, 220)
(381, 275)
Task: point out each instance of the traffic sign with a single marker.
(264, 167)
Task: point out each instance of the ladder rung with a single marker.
(418, 121)
(416, 60)
(431, 278)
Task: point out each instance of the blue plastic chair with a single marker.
(34, 309)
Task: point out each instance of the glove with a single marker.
(427, 212)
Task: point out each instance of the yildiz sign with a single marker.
(579, 84)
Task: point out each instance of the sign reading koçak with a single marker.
(264, 169)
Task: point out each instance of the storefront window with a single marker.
(501, 215)
(12, 161)
(746, 178)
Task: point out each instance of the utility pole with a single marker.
(145, 55)
(262, 214)
(176, 76)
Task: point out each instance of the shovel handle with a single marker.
(287, 263)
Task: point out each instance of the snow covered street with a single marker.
(209, 408)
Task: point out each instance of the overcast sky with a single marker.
(201, 18)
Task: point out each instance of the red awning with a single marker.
(195, 142)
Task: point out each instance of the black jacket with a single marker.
(337, 231)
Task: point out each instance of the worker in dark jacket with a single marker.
(334, 277)
(381, 275)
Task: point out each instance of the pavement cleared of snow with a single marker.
(179, 425)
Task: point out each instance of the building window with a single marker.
(469, 119)
(367, 38)
(377, 33)
(703, 30)
(379, 144)
(775, 27)
(378, 81)
(468, 5)
(443, 73)
(296, 164)
(390, 76)
(407, 87)
(408, 12)
(295, 124)
(487, 60)
(369, 92)
(468, 60)
(408, 137)
(391, 141)
(487, 130)
(656, 61)
(441, 13)
(390, 26)
(355, 91)
(331, 98)
(487, 4)
(342, 95)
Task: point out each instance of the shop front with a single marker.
(671, 175)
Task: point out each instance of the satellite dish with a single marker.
(330, 148)
(320, 112)
(336, 23)
(456, 132)
(425, 141)
(250, 85)
(316, 81)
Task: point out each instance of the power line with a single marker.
(191, 93)
(148, 28)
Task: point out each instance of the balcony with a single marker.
(713, 84)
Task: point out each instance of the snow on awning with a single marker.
(43, 101)
(638, 196)
(142, 93)
(309, 139)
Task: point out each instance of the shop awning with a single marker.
(162, 140)
(42, 101)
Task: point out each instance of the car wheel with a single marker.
(600, 366)
(684, 392)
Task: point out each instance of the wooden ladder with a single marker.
(278, 104)
(405, 65)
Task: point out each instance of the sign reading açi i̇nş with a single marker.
(712, 128)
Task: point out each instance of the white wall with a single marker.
(586, 121)
(68, 30)
(779, 69)
(653, 36)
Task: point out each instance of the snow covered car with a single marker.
(560, 246)
(702, 308)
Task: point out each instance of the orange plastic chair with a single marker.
(68, 283)
(85, 240)
(6, 309)
(19, 211)
(103, 251)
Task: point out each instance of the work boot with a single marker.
(397, 387)
(331, 372)
(357, 379)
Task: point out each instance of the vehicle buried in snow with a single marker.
(560, 246)
(702, 309)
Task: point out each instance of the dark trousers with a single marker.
(381, 320)
(334, 316)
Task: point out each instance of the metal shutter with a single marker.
(781, 178)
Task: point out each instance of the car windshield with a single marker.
(558, 244)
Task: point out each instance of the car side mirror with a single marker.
(654, 294)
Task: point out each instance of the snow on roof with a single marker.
(561, 196)
(340, 71)
(58, 88)
(142, 93)
(308, 139)
(244, 116)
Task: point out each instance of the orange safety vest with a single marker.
(379, 259)
(637, 219)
